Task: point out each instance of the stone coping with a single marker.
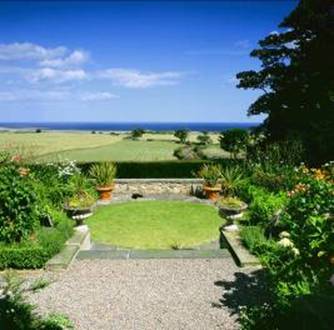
(153, 254)
(241, 255)
(157, 180)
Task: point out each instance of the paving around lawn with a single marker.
(149, 294)
(155, 224)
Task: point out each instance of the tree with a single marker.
(297, 79)
(234, 141)
(137, 133)
(204, 138)
(182, 135)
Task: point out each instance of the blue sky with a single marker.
(139, 61)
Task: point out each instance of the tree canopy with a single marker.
(297, 79)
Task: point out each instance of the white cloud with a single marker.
(135, 79)
(77, 57)
(29, 51)
(56, 75)
(54, 95)
(33, 95)
(98, 96)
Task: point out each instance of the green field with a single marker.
(155, 224)
(84, 146)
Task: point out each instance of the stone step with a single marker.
(63, 259)
(153, 254)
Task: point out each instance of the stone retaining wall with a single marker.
(157, 186)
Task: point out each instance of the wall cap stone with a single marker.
(157, 180)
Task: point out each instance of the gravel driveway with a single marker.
(144, 294)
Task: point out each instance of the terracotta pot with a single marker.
(212, 193)
(105, 192)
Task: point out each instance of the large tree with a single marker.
(297, 79)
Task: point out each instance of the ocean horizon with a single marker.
(125, 126)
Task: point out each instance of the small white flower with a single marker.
(285, 242)
(284, 234)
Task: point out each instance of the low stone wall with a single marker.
(157, 186)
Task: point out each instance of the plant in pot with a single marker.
(231, 207)
(104, 174)
(211, 175)
(82, 202)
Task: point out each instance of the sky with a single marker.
(131, 61)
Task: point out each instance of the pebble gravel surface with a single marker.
(143, 294)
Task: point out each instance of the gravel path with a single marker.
(143, 294)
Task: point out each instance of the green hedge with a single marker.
(159, 169)
(27, 255)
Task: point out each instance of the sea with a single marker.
(125, 126)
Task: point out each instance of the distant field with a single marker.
(125, 150)
(84, 146)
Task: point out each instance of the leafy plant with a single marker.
(231, 178)
(264, 207)
(81, 200)
(210, 173)
(231, 202)
(103, 173)
(19, 211)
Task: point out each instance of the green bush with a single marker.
(34, 254)
(159, 169)
(264, 207)
(19, 207)
(254, 239)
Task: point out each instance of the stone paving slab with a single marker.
(63, 259)
(152, 254)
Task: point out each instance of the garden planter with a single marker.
(231, 213)
(79, 214)
(105, 193)
(212, 193)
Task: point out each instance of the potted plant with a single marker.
(211, 175)
(104, 174)
(80, 206)
(231, 208)
(82, 202)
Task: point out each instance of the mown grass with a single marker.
(155, 224)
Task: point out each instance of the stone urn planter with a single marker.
(79, 214)
(105, 193)
(231, 208)
(212, 193)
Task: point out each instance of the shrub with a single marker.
(137, 133)
(234, 141)
(35, 253)
(264, 207)
(186, 153)
(160, 169)
(204, 138)
(19, 208)
(182, 135)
